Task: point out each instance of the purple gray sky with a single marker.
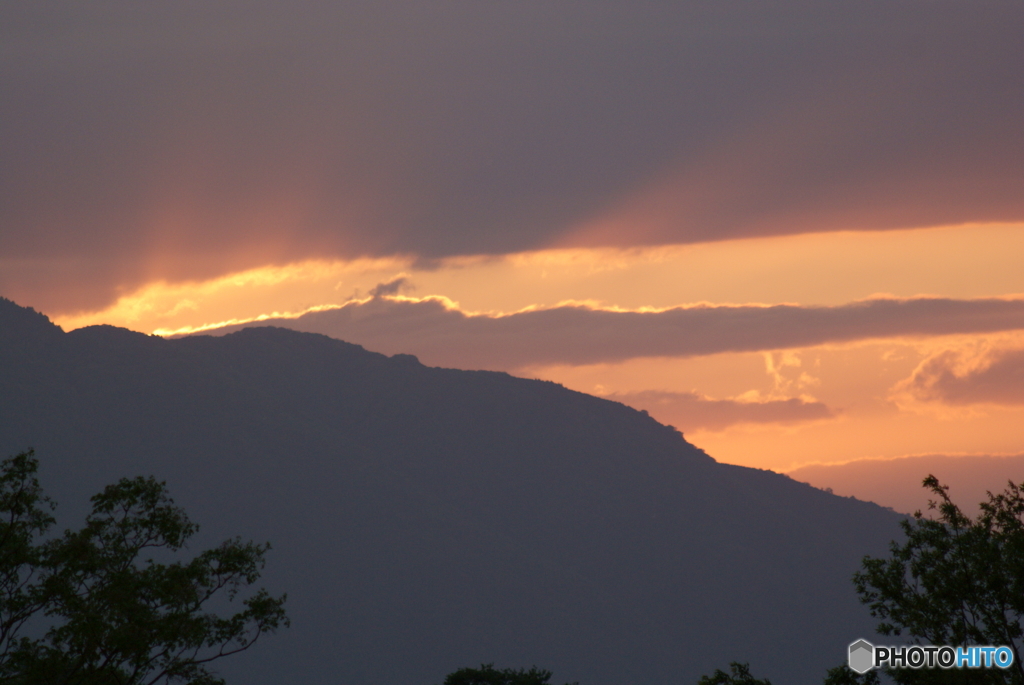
(185, 140)
(791, 228)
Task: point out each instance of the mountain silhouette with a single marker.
(424, 519)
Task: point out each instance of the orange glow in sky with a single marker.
(824, 268)
(823, 404)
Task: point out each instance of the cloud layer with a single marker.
(185, 141)
(442, 335)
(689, 411)
(958, 378)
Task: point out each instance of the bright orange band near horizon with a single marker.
(770, 408)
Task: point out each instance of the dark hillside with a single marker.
(425, 519)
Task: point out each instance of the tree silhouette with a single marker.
(954, 581)
(843, 675)
(739, 674)
(488, 675)
(103, 610)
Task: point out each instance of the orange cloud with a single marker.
(968, 261)
(442, 334)
(958, 377)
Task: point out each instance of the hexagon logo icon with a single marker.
(862, 656)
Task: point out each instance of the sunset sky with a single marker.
(793, 230)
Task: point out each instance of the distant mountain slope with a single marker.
(425, 519)
(896, 483)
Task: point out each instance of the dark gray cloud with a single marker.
(398, 284)
(445, 336)
(689, 411)
(996, 378)
(184, 140)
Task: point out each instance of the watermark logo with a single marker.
(863, 656)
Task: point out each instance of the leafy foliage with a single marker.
(739, 674)
(843, 675)
(24, 516)
(109, 612)
(488, 675)
(954, 581)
